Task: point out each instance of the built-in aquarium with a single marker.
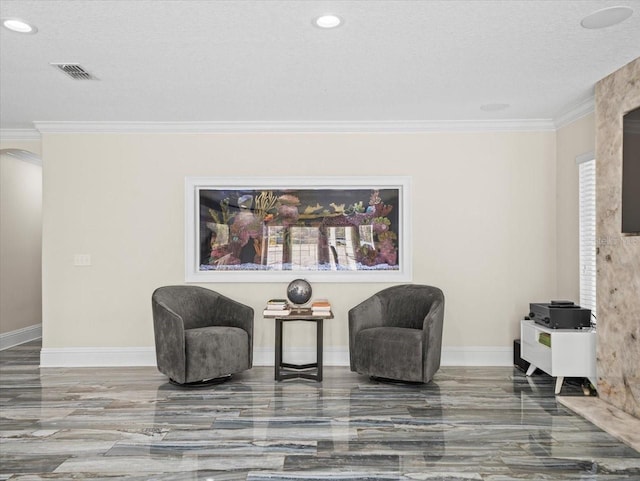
(283, 227)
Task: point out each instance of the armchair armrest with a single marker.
(432, 339)
(365, 315)
(169, 339)
(235, 314)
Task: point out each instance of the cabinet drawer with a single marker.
(532, 350)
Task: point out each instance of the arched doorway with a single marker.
(20, 247)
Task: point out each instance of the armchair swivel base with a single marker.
(386, 380)
(204, 383)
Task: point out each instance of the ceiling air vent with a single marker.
(75, 71)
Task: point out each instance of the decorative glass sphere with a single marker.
(299, 292)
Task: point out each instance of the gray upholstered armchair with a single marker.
(397, 333)
(200, 335)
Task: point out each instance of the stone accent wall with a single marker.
(618, 256)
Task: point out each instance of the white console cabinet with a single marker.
(572, 352)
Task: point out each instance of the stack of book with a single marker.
(277, 307)
(321, 307)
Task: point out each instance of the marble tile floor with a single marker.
(490, 424)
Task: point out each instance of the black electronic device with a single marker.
(560, 315)
(630, 205)
(517, 359)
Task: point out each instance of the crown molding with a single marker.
(297, 127)
(575, 112)
(19, 134)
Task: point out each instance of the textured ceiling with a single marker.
(263, 61)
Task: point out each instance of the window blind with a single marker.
(587, 212)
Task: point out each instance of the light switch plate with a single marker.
(82, 260)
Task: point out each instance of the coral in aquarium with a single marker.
(246, 226)
(312, 209)
(289, 199)
(387, 251)
(223, 258)
(380, 224)
(366, 255)
(265, 206)
(288, 209)
(355, 208)
(375, 199)
(338, 209)
(383, 210)
(227, 215)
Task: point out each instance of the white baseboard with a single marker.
(331, 356)
(20, 336)
(262, 356)
(451, 356)
(97, 356)
(477, 356)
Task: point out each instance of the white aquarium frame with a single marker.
(193, 186)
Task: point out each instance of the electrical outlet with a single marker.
(82, 260)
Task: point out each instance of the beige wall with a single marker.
(484, 207)
(572, 140)
(20, 240)
(618, 256)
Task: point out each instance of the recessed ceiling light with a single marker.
(494, 107)
(606, 17)
(327, 21)
(16, 25)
